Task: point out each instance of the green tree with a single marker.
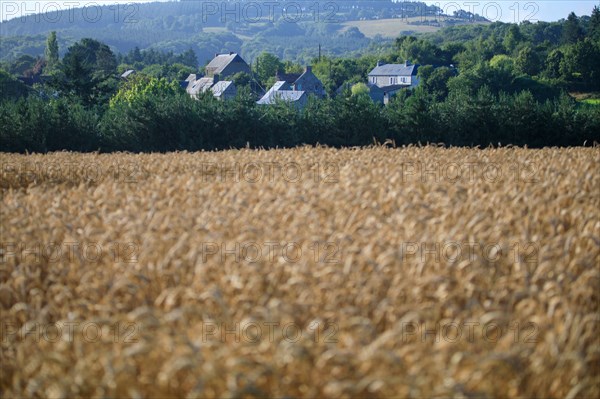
(291, 67)
(88, 67)
(513, 38)
(241, 79)
(572, 31)
(51, 52)
(582, 61)
(22, 64)
(502, 61)
(553, 61)
(419, 51)
(594, 29)
(140, 88)
(435, 81)
(268, 66)
(360, 89)
(11, 88)
(528, 61)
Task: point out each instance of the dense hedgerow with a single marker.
(170, 120)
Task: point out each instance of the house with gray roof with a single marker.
(201, 85)
(290, 78)
(224, 90)
(192, 77)
(221, 89)
(226, 65)
(282, 91)
(309, 83)
(394, 76)
(306, 81)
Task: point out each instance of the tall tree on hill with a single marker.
(87, 64)
(572, 32)
(513, 38)
(51, 51)
(528, 61)
(594, 30)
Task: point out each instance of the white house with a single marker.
(392, 77)
(386, 75)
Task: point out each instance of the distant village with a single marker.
(384, 81)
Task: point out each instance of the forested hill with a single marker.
(292, 33)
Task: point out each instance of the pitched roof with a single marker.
(127, 73)
(221, 61)
(283, 95)
(277, 87)
(288, 77)
(394, 70)
(200, 85)
(281, 85)
(373, 88)
(309, 82)
(192, 77)
(393, 88)
(220, 87)
(306, 75)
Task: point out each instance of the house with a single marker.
(306, 81)
(226, 65)
(309, 83)
(201, 85)
(294, 89)
(224, 90)
(376, 93)
(282, 91)
(393, 77)
(221, 89)
(192, 77)
(290, 78)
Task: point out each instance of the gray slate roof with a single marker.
(283, 95)
(395, 70)
(281, 85)
(200, 86)
(220, 62)
(288, 77)
(220, 87)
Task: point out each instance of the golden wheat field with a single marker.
(313, 272)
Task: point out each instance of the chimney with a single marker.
(216, 55)
(407, 63)
(379, 63)
(231, 53)
(215, 78)
(308, 68)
